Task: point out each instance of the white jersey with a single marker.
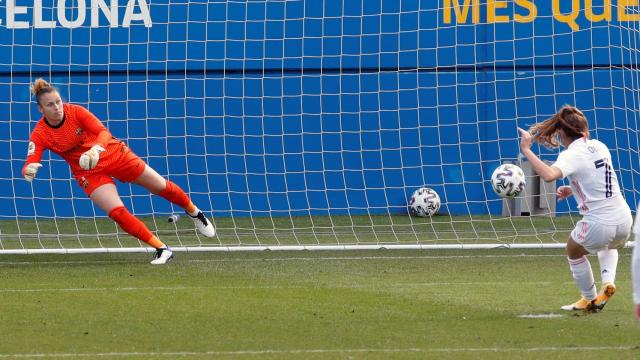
(587, 164)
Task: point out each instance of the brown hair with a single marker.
(569, 119)
(40, 87)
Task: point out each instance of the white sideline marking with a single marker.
(311, 286)
(540, 316)
(328, 258)
(166, 288)
(319, 351)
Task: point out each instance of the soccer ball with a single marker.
(424, 202)
(508, 181)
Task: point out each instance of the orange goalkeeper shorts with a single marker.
(126, 167)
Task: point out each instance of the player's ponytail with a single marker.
(573, 122)
(569, 119)
(40, 87)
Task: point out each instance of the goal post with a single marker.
(308, 124)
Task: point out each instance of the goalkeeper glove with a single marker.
(31, 170)
(90, 158)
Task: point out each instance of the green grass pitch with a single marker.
(493, 304)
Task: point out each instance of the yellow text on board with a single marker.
(525, 11)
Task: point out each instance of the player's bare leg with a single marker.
(106, 197)
(156, 184)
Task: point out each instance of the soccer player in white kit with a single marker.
(606, 222)
(635, 266)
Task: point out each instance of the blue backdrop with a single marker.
(322, 107)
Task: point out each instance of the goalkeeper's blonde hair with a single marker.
(40, 87)
(569, 119)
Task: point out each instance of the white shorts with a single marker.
(594, 236)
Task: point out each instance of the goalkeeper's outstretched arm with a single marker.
(34, 155)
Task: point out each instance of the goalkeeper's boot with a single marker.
(605, 294)
(580, 305)
(204, 225)
(162, 256)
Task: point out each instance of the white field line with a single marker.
(267, 287)
(283, 259)
(540, 316)
(317, 351)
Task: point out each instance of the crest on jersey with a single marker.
(32, 148)
(84, 182)
(79, 131)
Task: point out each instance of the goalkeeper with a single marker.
(96, 158)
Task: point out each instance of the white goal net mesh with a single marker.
(311, 123)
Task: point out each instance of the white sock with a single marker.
(582, 274)
(608, 265)
(195, 211)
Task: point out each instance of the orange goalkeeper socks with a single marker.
(176, 195)
(156, 243)
(133, 226)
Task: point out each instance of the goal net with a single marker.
(309, 124)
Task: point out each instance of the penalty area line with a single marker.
(277, 287)
(184, 258)
(317, 351)
(202, 353)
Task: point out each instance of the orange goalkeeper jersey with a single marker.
(77, 133)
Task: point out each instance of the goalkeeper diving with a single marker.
(96, 158)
